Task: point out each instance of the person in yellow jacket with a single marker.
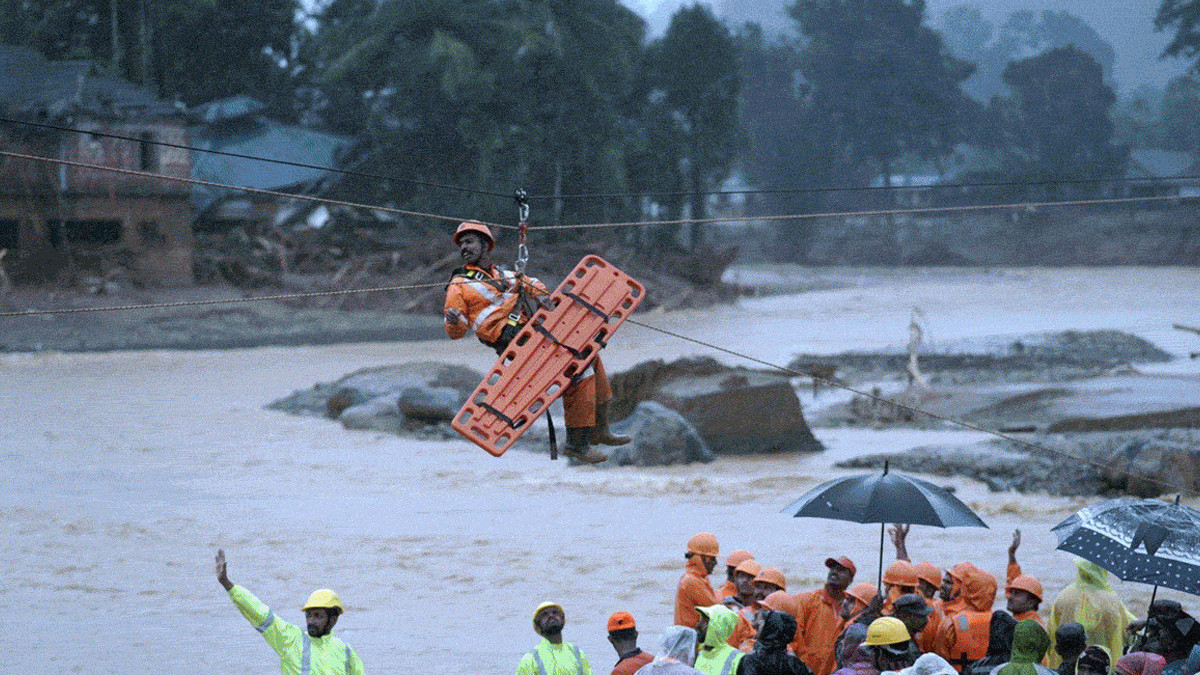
(301, 652)
(494, 304)
(1091, 601)
(552, 656)
(716, 656)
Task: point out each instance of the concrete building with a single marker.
(58, 220)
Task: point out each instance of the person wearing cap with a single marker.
(890, 641)
(313, 650)
(494, 304)
(1024, 592)
(729, 588)
(1069, 642)
(914, 612)
(819, 622)
(743, 581)
(743, 633)
(716, 656)
(553, 655)
(623, 635)
(694, 590)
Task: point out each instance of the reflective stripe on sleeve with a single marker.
(262, 627)
(578, 660)
(728, 667)
(488, 311)
(347, 659)
(306, 657)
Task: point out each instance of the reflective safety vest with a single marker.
(298, 653)
(972, 633)
(489, 302)
(727, 664)
(554, 661)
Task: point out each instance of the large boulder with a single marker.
(388, 398)
(661, 437)
(735, 410)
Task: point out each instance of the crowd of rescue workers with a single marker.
(926, 621)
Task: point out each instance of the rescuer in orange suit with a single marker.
(494, 304)
(694, 589)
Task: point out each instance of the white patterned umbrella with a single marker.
(1144, 540)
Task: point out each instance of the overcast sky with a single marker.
(1127, 24)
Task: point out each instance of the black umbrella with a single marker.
(884, 498)
(1143, 540)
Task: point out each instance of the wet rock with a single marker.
(430, 404)
(661, 437)
(735, 410)
(378, 414)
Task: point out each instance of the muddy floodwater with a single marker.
(124, 472)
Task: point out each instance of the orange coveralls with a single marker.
(487, 298)
(694, 591)
(819, 624)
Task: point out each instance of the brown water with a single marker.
(126, 471)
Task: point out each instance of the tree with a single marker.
(886, 81)
(1179, 115)
(692, 72)
(1056, 123)
(1184, 17)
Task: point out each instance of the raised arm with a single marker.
(222, 575)
(899, 532)
(1014, 567)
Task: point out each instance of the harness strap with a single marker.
(497, 413)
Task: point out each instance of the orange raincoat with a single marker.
(694, 591)
(819, 624)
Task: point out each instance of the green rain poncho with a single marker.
(1029, 645)
(1093, 603)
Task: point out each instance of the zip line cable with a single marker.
(226, 301)
(913, 409)
(687, 221)
(609, 195)
(284, 162)
(257, 191)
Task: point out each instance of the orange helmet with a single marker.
(1028, 584)
(778, 601)
(750, 567)
(929, 572)
(703, 544)
(901, 573)
(738, 557)
(863, 591)
(772, 576)
(478, 228)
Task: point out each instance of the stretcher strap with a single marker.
(591, 308)
(498, 414)
(550, 336)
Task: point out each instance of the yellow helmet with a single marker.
(323, 598)
(886, 630)
(546, 605)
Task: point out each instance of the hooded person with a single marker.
(779, 601)
(964, 637)
(852, 657)
(1029, 645)
(951, 590)
(1140, 663)
(770, 655)
(1095, 660)
(676, 651)
(716, 656)
(929, 664)
(1091, 601)
(553, 655)
(694, 590)
(819, 617)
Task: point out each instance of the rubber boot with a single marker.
(601, 435)
(578, 448)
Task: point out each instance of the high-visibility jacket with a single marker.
(964, 638)
(298, 653)
(554, 659)
(819, 624)
(487, 299)
(693, 591)
(716, 656)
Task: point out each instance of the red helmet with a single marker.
(478, 228)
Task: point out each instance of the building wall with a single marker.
(140, 223)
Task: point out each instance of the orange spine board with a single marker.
(534, 371)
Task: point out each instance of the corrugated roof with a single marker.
(263, 138)
(30, 82)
